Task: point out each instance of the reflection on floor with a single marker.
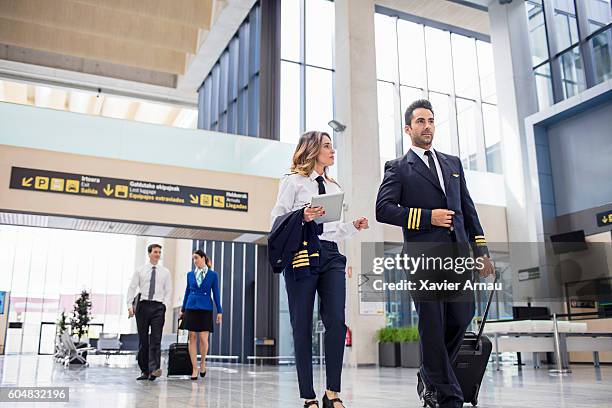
(231, 385)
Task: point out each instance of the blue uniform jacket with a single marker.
(199, 297)
(409, 192)
(293, 245)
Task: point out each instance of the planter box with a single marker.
(389, 354)
(410, 354)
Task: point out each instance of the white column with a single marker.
(168, 260)
(358, 155)
(517, 99)
(182, 264)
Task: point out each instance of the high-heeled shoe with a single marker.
(203, 374)
(194, 378)
(329, 403)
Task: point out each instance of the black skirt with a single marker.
(198, 320)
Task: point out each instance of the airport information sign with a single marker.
(123, 189)
(604, 218)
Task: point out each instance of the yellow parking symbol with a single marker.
(72, 186)
(219, 201)
(121, 191)
(57, 184)
(205, 200)
(41, 183)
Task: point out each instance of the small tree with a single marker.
(81, 315)
(62, 324)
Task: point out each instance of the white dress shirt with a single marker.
(421, 153)
(296, 191)
(141, 280)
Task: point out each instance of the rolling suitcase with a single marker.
(472, 359)
(179, 362)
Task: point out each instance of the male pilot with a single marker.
(425, 193)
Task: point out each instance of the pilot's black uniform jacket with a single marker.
(293, 245)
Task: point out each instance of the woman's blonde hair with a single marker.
(306, 153)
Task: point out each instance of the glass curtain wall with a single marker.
(570, 46)
(45, 270)
(451, 69)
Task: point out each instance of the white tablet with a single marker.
(332, 203)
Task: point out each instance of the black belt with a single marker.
(152, 301)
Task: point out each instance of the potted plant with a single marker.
(62, 324)
(80, 319)
(60, 328)
(410, 350)
(388, 347)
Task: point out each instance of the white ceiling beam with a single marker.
(18, 71)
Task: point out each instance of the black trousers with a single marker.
(151, 316)
(330, 284)
(442, 325)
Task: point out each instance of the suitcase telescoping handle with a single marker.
(178, 329)
(486, 313)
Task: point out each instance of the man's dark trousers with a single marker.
(151, 315)
(443, 323)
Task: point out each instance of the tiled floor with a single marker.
(228, 385)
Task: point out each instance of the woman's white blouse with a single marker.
(296, 191)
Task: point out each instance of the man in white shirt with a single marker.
(154, 285)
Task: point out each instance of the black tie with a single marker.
(321, 184)
(432, 167)
(321, 191)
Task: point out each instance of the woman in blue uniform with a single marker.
(197, 309)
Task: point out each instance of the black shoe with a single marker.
(143, 376)
(329, 403)
(152, 378)
(311, 403)
(428, 397)
(203, 374)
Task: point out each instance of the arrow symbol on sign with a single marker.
(27, 182)
(194, 199)
(108, 190)
(365, 279)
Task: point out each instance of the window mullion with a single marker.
(397, 100)
(585, 50)
(302, 65)
(555, 65)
